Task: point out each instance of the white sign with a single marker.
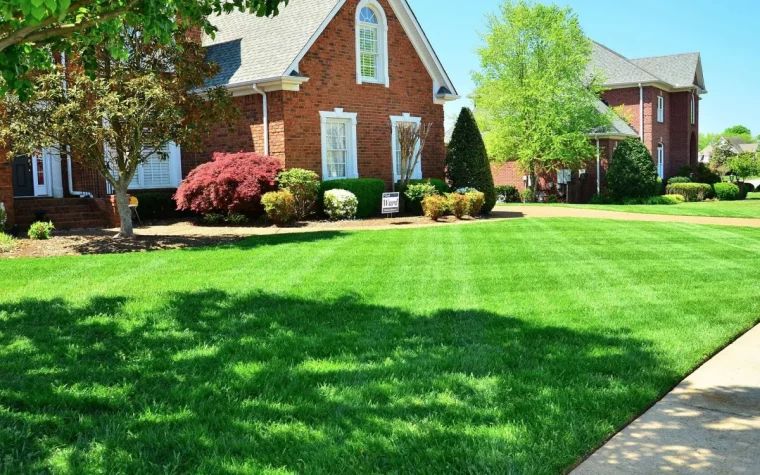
(390, 203)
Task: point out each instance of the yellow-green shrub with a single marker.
(434, 206)
(280, 206)
(458, 204)
(475, 202)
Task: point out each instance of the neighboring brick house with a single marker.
(659, 95)
(318, 87)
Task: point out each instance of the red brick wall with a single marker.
(6, 186)
(331, 65)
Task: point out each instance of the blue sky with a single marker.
(729, 44)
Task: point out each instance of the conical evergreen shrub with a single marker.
(467, 163)
(631, 173)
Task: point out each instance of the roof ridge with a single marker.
(611, 51)
(628, 61)
(665, 56)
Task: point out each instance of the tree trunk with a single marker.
(125, 214)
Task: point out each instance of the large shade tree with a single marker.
(535, 101)
(30, 28)
(121, 111)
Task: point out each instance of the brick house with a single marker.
(659, 95)
(318, 87)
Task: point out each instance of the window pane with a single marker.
(367, 16)
(337, 149)
(368, 40)
(369, 66)
(336, 164)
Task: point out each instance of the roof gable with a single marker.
(251, 49)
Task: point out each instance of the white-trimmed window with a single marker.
(339, 151)
(371, 43)
(396, 146)
(661, 161)
(693, 111)
(159, 170)
(660, 109)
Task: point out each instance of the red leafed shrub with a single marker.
(230, 183)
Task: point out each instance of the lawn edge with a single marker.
(662, 396)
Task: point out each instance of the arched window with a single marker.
(371, 43)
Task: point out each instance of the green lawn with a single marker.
(503, 347)
(727, 209)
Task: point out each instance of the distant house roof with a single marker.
(738, 145)
(252, 50)
(678, 71)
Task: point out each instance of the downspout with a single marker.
(598, 167)
(266, 117)
(70, 177)
(641, 111)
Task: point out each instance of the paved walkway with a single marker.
(562, 212)
(709, 424)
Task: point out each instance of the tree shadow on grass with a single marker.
(218, 382)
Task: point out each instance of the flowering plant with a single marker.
(340, 204)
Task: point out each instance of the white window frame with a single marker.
(338, 115)
(382, 43)
(175, 171)
(660, 109)
(661, 161)
(395, 120)
(693, 110)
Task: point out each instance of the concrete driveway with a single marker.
(709, 424)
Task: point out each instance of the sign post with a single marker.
(391, 203)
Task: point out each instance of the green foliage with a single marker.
(369, 192)
(748, 188)
(678, 179)
(156, 204)
(441, 186)
(467, 163)
(631, 173)
(552, 199)
(475, 202)
(418, 191)
(737, 131)
(280, 206)
(7, 242)
(535, 101)
(340, 204)
(690, 191)
(3, 216)
(744, 165)
(434, 206)
(236, 218)
(29, 29)
(602, 199)
(527, 196)
(507, 194)
(458, 204)
(699, 174)
(722, 152)
(213, 219)
(304, 186)
(41, 230)
(727, 191)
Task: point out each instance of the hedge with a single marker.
(690, 191)
(369, 192)
(415, 207)
(507, 194)
(157, 205)
(727, 191)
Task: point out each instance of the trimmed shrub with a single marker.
(230, 183)
(527, 196)
(703, 174)
(414, 194)
(458, 204)
(727, 191)
(340, 204)
(213, 219)
(440, 186)
(303, 185)
(156, 204)
(690, 191)
(475, 202)
(368, 191)
(7, 242)
(507, 194)
(552, 199)
(434, 206)
(631, 173)
(41, 230)
(280, 206)
(678, 179)
(664, 200)
(467, 163)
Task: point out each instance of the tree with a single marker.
(411, 141)
(30, 29)
(122, 112)
(737, 131)
(535, 101)
(631, 173)
(744, 165)
(467, 164)
(722, 151)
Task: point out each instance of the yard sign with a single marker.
(390, 203)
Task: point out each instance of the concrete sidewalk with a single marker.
(709, 424)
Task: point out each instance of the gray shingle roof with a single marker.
(250, 48)
(679, 70)
(619, 126)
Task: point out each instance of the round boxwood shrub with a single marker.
(230, 183)
(340, 204)
(690, 191)
(679, 179)
(368, 191)
(631, 173)
(280, 206)
(727, 191)
(467, 163)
